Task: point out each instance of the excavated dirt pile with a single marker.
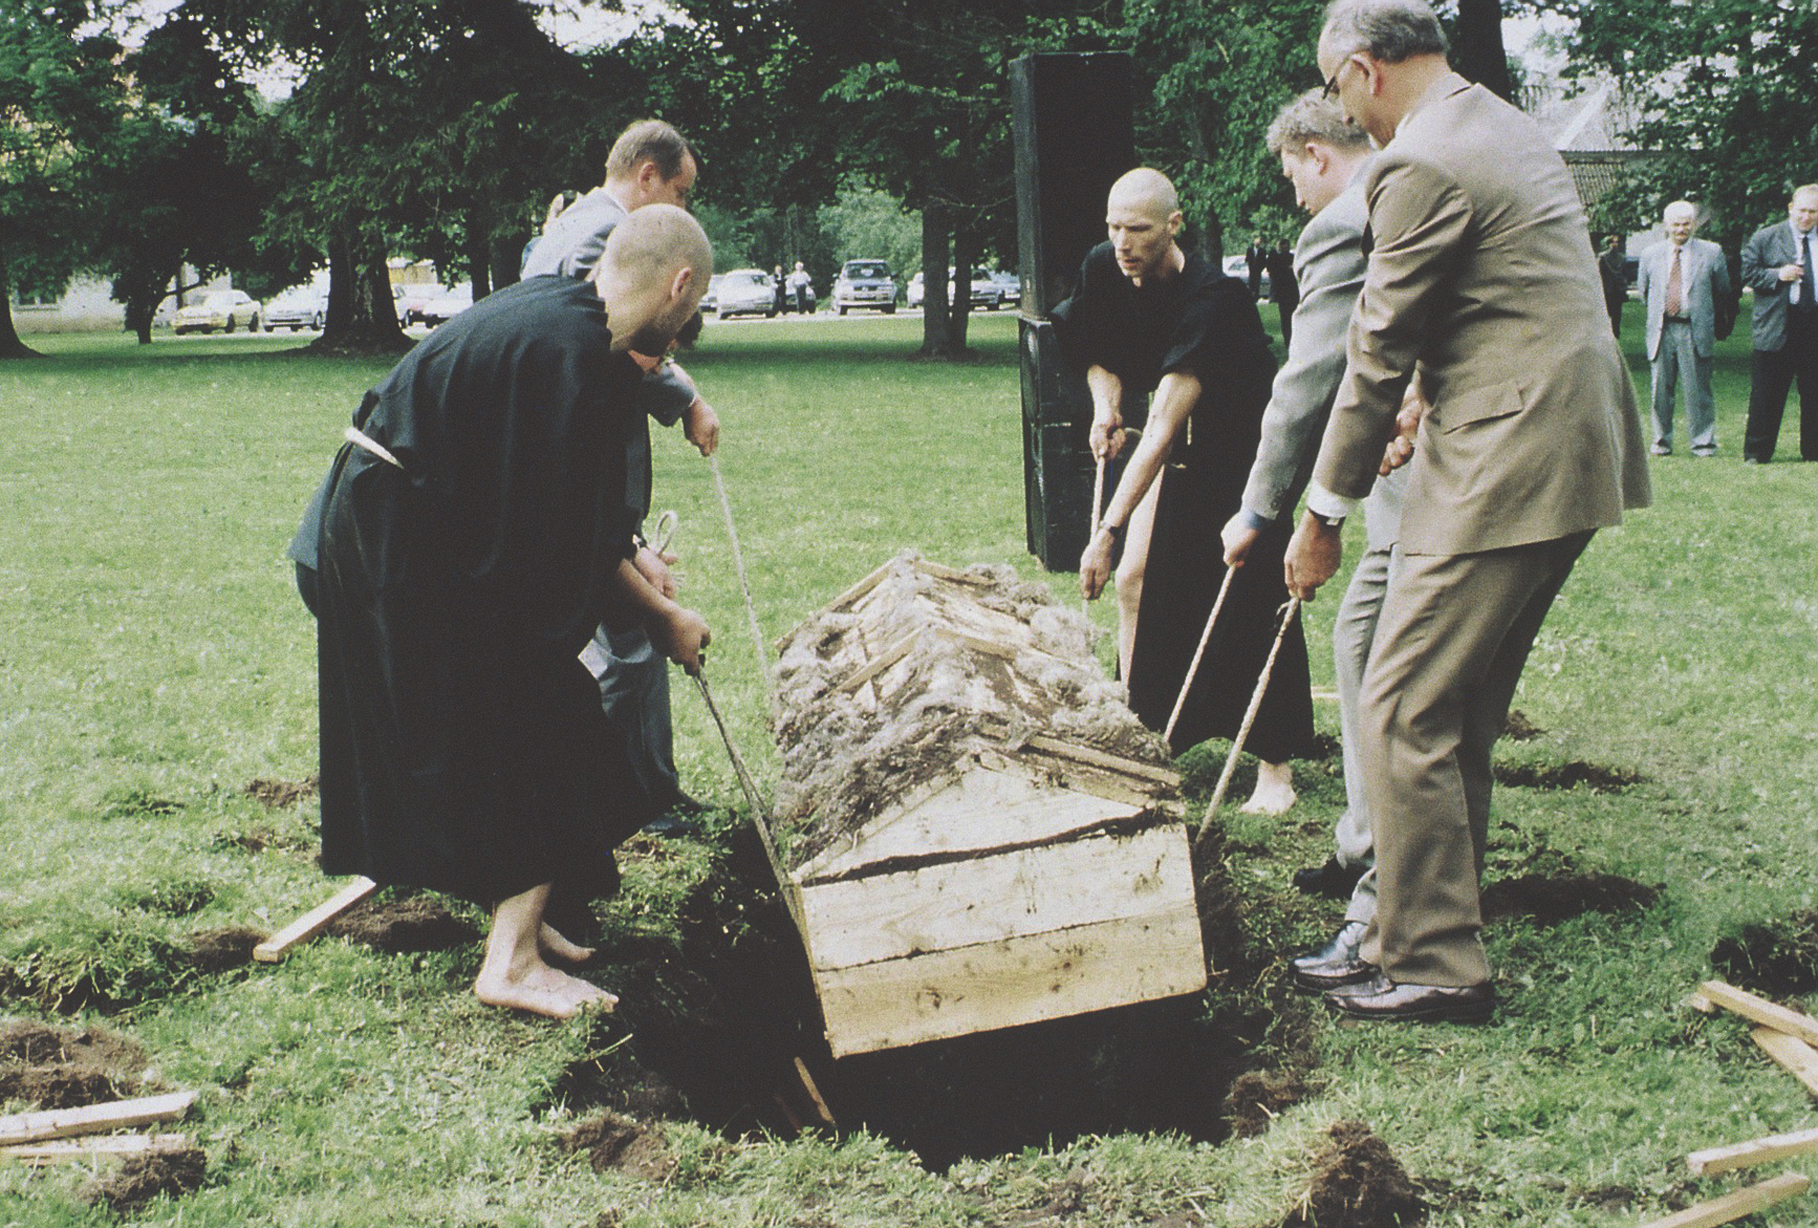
(1779, 959)
(140, 1178)
(918, 667)
(61, 1068)
(399, 923)
(1357, 1183)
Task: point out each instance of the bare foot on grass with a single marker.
(541, 990)
(554, 946)
(1274, 790)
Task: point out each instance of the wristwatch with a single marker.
(1115, 530)
(1331, 522)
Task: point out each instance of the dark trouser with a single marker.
(1773, 373)
(634, 690)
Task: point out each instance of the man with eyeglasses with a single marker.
(1482, 282)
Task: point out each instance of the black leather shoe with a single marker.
(1337, 963)
(1383, 999)
(1332, 879)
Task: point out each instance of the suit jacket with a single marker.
(1482, 276)
(1763, 256)
(1329, 262)
(1704, 282)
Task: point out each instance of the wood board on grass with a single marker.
(1022, 861)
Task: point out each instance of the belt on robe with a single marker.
(361, 439)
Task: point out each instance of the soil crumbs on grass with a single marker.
(399, 924)
(224, 949)
(282, 794)
(60, 1068)
(1550, 900)
(1600, 777)
(614, 1142)
(1258, 1097)
(1778, 959)
(141, 1178)
(1357, 1183)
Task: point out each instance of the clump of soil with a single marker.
(1600, 777)
(1518, 728)
(1778, 959)
(1357, 1183)
(399, 924)
(282, 794)
(1258, 1097)
(1550, 900)
(973, 661)
(213, 951)
(60, 1068)
(614, 1142)
(140, 1178)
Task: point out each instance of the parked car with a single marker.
(447, 305)
(710, 301)
(1009, 288)
(411, 300)
(864, 283)
(297, 308)
(222, 309)
(986, 292)
(913, 295)
(746, 292)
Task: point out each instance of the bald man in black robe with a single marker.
(471, 535)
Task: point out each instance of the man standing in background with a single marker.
(1777, 266)
(1682, 283)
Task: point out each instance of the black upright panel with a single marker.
(1074, 137)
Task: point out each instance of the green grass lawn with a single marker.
(155, 660)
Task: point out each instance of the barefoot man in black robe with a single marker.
(470, 536)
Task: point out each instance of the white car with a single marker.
(222, 309)
(297, 308)
(864, 283)
(745, 292)
(447, 305)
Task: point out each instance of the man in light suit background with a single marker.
(1325, 158)
(1682, 281)
(1777, 266)
(1483, 280)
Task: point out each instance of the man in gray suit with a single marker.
(1325, 158)
(1777, 266)
(1681, 282)
(1483, 281)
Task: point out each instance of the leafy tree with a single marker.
(868, 223)
(1727, 86)
(59, 102)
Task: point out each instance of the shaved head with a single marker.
(1146, 191)
(652, 275)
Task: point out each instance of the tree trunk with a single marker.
(937, 315)
(965, 256)
(362, 315)
(1478, 49)
(479, 259)
(10, 344)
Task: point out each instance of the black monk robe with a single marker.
(463, 744)
(1206, 324)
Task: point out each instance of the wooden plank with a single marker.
(851, 595)
(1734, 1206)
(1757, 1151)
(1103, 759)
(1795, 1056)
(1701, 1004)
(980, 810)
(877, 665)
(63, 1150)
(1020, 980)
(93, 1118)
(1759, 1010)
(993, 897)
(952, 575)
(313, 922)
(814, 1094)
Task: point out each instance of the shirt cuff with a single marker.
(1254, 521)
(1322, 502)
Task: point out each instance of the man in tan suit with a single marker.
(1482, 280)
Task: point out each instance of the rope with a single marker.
(1098, 512)
(1205, 637)
(760, 815)
(738, 558)
(1288, 612)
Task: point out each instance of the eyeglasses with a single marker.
(1332, 81)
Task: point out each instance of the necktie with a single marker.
(1675, 298)
(1805, 260)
